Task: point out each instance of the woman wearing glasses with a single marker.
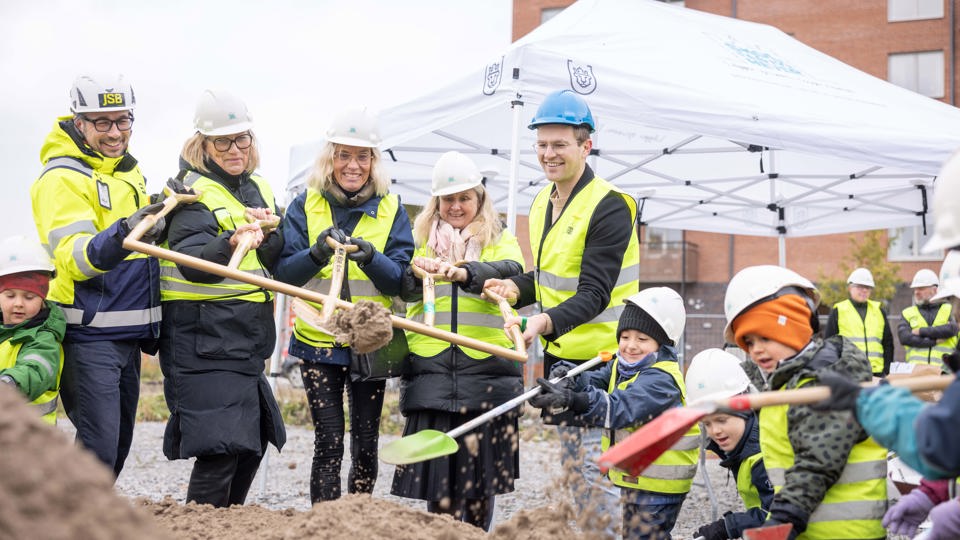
(346, 199)
(216, 333)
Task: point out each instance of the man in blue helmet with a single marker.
(582, 236)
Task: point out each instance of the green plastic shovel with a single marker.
(430, 443)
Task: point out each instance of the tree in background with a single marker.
(869, 252)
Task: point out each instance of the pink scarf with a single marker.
(454, 245)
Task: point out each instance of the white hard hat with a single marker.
(861, 276)
(756, 283)
(453, 173)
(23, 254)
(101, 94)
(665, 306)
(355, 127)
(924, 278)
(946, 207)
(949, 277)
(715, 374)
(221, 113)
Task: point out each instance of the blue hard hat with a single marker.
(563, 107)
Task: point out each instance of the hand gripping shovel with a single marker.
(429, 293)
(169, 203)
(430, 443)
(506, 311)
(246, 241)
(640, 449)
(336, 279)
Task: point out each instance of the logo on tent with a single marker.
(492, 76)
(581, 77)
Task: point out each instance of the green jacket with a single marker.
(36, 367)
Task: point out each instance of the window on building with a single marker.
(912, 10)
(921, 72)
(662, 239)
(906, 242)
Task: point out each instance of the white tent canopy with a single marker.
(716, 124)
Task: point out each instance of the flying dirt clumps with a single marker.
(366, 327)
(52, 489)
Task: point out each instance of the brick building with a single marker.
(911, 43)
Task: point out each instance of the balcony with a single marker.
(668, 262)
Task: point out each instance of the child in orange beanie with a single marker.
(31, 358)
(829, 477)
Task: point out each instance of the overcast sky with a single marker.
(295, 63)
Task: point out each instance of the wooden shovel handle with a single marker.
(313, 296)
(169, 203)
(421, 273)
(336, 278)
(507, 311)
(348, 248)
(243, 246)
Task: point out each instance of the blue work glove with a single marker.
(909, 512)
(155, 233)
(843, 393)
(559, 397)
(364, 255)
(946, 521)
(320, 251)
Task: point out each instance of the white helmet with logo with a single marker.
(946, 207)
(861, 276)
(453, 173)
(23, 254)
(101, 94)
(665, 306)
(355, 127)
(715, 374)
(221, 113)
(756, 283)
(924, 278)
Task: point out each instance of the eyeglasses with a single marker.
(362, 158)
(104, 125)
(558, 147)
(223, 144)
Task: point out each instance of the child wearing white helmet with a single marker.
(643, 381)
(734, 437)
(829, 477)
(31, 358)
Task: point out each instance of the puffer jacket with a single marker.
(37, 366)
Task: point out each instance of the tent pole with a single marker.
(517, 106)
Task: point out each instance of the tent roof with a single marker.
(717, 124)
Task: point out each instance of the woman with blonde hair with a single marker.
(346, 200)
(458, 234)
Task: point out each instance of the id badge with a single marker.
(103, 193)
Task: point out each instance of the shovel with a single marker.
(777, 532)
(336, 279)
(506, 311)
(430, 443)
(169, 203)
(645, 445)
(246, 241)
(429, 293)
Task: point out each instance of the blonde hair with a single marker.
(195, 153)
(321, 176)
(490, 227)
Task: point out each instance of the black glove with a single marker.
(843, 393)
(365, 254)
(154, 234)
(176, 186)
(713, 531)
(320, 251)
(952, 361)
(560, 369)
(558, 397)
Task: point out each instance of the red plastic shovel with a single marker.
(777, 532)
(647, 443)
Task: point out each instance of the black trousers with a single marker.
(325, 384)
(224, 479)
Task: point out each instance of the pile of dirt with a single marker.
(367, 327)
(51, 489)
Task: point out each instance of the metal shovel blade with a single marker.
(421, 446)
(779, 532)
(651, 440)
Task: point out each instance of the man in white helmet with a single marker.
(88, 197)
(927, 330)
(864, 322)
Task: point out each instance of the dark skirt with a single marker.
(481, 468)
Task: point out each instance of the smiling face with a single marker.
(635, 345)
(112, 143)
(767, 353)
(725, 429)
(459, 209)
(351, 167)
(859, 293)
(18, 305)
(923, 295)
(563, 159)
(233, 160)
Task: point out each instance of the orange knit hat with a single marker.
(785, 319)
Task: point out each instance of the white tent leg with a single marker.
(517, 107)
(280, 321)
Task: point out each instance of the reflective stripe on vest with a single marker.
(558, 257)
(929, 355)
(854, 505)
(674, 470)
(375, 230)
(748, 492)
(476, 318)
(229, 213)
(46, 403)
(867, 334)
